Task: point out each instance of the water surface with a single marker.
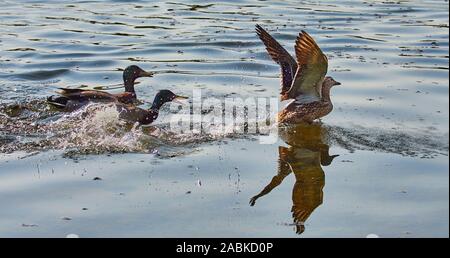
(389, 126)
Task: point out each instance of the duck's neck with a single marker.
(152, 113)
(129, 84)
(157, 104)
(326, 94)
(149, 116)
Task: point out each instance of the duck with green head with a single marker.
(71, 99)
(134, 114)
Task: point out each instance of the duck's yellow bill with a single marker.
(146, 74)
(178, 97)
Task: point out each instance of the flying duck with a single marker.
(303, 81)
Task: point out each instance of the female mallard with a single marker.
(143, 116)
(302, 81)
(71, 99)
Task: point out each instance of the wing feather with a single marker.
(82, 94)
(280, 56)
(312, 68)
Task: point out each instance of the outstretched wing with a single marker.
(280, 56)
(312, 68)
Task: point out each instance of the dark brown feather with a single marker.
(280, 56)
(312, 67)
(83, 95)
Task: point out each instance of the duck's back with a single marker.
(298, 112)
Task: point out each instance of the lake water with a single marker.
(389, 126)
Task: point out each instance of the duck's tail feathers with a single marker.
(67, 91)
(57, 101)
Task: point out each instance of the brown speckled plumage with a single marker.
(308, 85)
(298, 112)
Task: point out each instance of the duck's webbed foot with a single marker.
(252, 201)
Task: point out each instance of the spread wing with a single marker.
(280, 56)
(312, 68)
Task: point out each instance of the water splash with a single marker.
(423, 144)
(94, 129)
(97, 129)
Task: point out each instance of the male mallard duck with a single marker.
(71, 99)
(143, 116)
(303, 80)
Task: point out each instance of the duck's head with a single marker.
(164, 96)
(132, 72)
(327, 159)
(330, 82)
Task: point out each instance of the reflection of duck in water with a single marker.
(305, 158)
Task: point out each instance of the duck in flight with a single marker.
(71, 99)
(134, 114)
(303, 81)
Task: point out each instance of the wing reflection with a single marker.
(305, 156)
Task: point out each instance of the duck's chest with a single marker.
(148, 117)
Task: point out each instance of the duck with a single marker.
(304, 84)
(135, 114)
(71, 99)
